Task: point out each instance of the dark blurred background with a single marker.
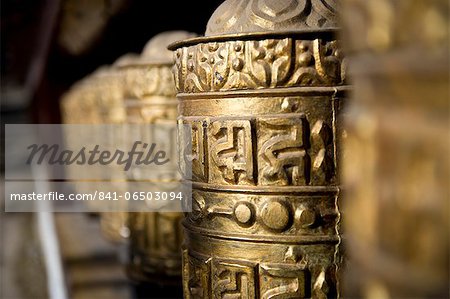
(48, 45)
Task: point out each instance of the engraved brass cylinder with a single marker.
(150, 98)
(262, 93)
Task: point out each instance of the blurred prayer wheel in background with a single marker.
(155, 237)
(396, 162)
(82, 105)
(262, 93)
(96, 100)
(109, 88)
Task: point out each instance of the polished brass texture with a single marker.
(262, 93)
(150, 98)
(396, 162)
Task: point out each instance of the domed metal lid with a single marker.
(126, 60)
(246, 16)
(245, 19)
(155, 51)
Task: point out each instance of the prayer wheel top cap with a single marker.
(241, 18)
(155, 52)
(247, 16)
(101, 72)
(127, 59)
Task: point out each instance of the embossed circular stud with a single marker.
(276, 215)
(244, 214)
(238, 64)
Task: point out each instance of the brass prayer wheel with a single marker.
(95, 100)
(82, 105)
(396, 163)
(262, 92)
(105, 89)
(108, 89)
(150, 98)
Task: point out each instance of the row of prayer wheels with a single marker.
(264, 94)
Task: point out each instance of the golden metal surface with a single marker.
(155, 238)
(247, 16)
(396, 162)
(262, 93)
